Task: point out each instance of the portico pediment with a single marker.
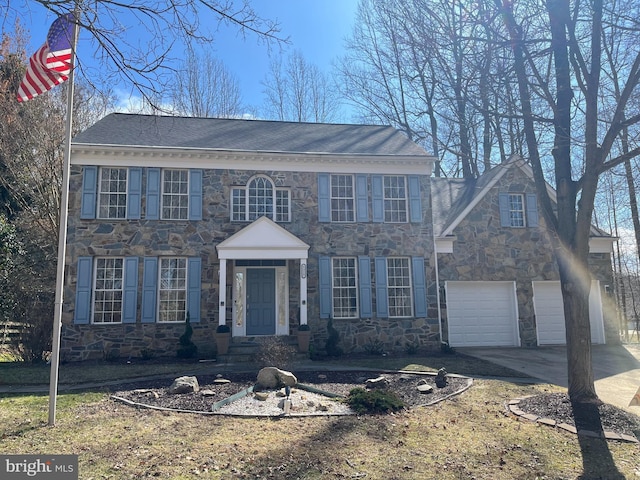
(262, 239)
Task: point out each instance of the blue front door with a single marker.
(261, 301)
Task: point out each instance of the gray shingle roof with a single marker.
(248, 135)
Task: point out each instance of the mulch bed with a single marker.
(556, 406)
(154, 393)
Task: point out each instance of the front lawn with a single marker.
(467, 437)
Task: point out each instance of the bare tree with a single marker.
(204, 87)
(298, 91)
(162, 31)
(574, 46)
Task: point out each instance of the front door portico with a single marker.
(261, 256)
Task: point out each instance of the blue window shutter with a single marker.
(382, 299)
(324, 268)
(505, 218)
(377, 198)
(532, 210)
(134, 195)
(364, 279)
(130, 294)
(83, 291)
(415, 200)
(324, 202)
(153, 194)
(362, 199)
(149, 289)
(194, 285)
(195, 194)
(419, 287)
(89, 192)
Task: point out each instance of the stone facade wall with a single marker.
(485, 251)
(199, 238)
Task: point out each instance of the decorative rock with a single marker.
(280, 393)
(207, 393)
(184, 385)
(321, 407)
(379, 382)
(221, 381)
(424, 388)
(272, 377)
(441, 378)
(262, 396)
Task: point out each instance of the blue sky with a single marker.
(317, 28)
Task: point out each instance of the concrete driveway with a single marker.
(616, 368)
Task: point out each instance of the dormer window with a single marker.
(260, 198)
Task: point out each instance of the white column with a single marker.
(303, 291)
(222, 292)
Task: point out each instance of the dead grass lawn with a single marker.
(468, 437)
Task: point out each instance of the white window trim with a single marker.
(93, 291)
(245, 192)
(356, 287)
(353, 197)
(186, 292)
(523, 210)
(410, 287)
(162, 193)
(406, 199)
(100, 193)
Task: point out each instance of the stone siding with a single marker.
(486, 251)
(199, 238)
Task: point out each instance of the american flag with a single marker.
(51, 64)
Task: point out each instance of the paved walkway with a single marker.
(616, 368)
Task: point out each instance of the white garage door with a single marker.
(482, 314)
(547, 301)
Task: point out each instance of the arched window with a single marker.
(260, 198)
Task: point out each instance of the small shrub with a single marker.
(374, 347)
(274, 352)
(147, 354)
(331, 345)
(446, 348)
(374, 401)
(412, 348)
(111, 355)
(187, 348)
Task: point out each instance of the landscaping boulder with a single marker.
(272, 377)
(184, 385)
(441, 378)
(380, 382)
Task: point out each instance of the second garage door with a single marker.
(547, 301)
(482, 314)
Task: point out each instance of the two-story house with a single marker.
(265, 226)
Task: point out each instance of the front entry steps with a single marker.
(245, 349)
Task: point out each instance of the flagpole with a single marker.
(62, 235)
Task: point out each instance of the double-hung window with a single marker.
(344, 287)
(342, 198)
(399, 289)
(260, 198)
(395, 199)
(175, 194)
(172, 291)
(112, 193)
(108, 290)
(518, 210)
